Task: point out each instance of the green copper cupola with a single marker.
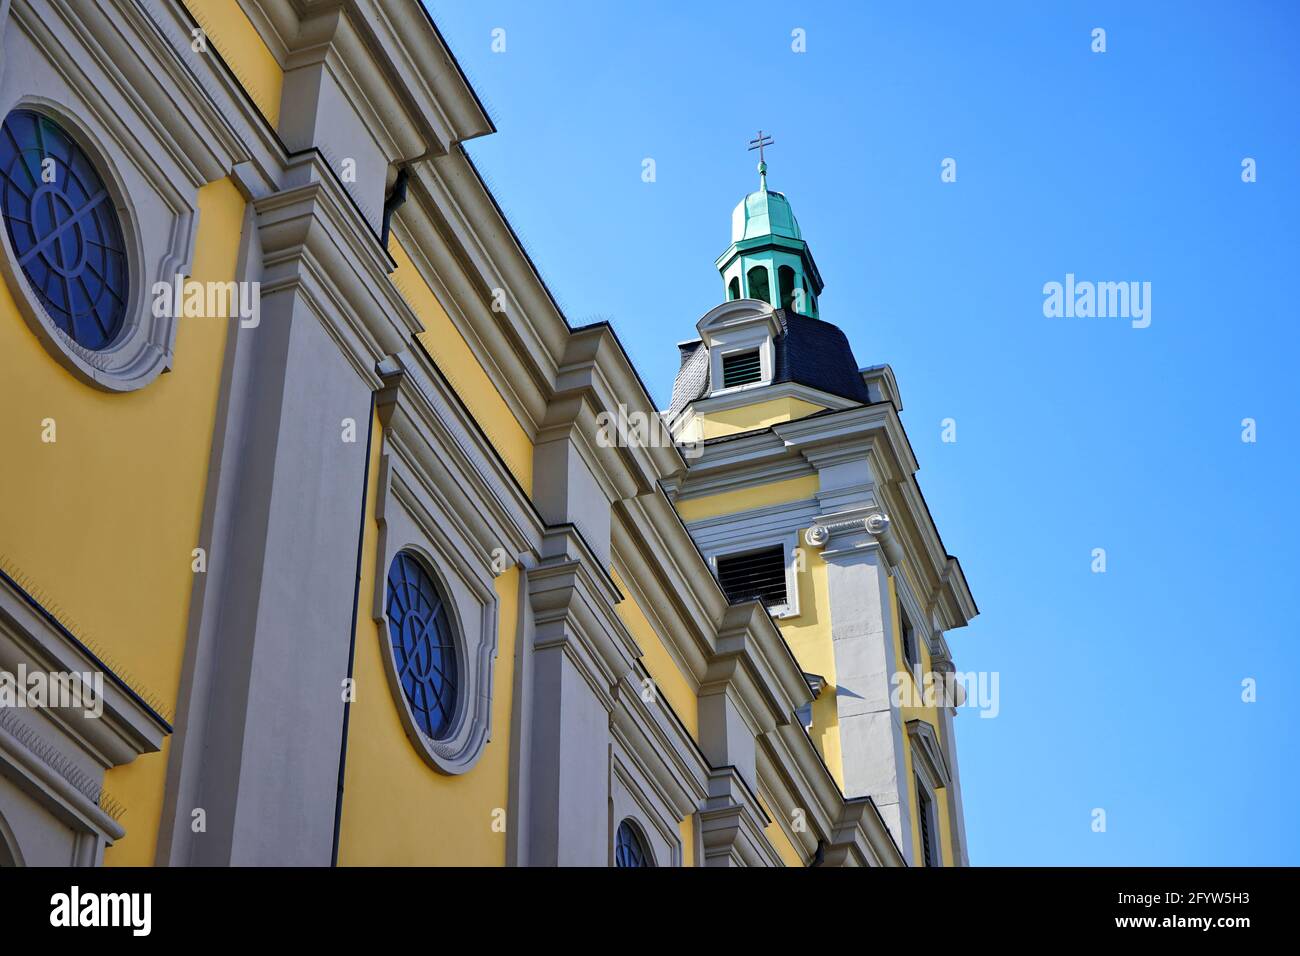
(768, 258)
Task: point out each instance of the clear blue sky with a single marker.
(1119, 690)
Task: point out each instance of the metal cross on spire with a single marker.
(758, 143)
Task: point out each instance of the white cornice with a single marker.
(439, 437)
(395, 59)
(806, 445)
(927, 755)
(735, 314)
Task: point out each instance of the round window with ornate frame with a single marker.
(81, 223)
(630, 847)
(63, 229)
(425, 645)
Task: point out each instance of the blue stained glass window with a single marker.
(628, 848)
(63, 229)
(424, 644)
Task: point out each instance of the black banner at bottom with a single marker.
(337, 905)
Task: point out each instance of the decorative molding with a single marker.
(928, 757)
(59, 755)
(149, 155)
(875, 523)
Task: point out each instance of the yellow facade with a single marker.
(228, 29)
(119, 577)
(746, 418)
(384, 772)
(746, 499)
(463, 370)
(122, 578)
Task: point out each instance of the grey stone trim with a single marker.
(866, 451)
(440, 440)
(794, 774)
(881, 384)
(652, 544)
(520, 785)
(315, 243)
(268, 646)
(360, 83)
(573, 602)
(628, 801)
(739, 527)
(858, 838)
(128, 726)
(424, 81)
(732, 823)
(673, 766)
(53, 760)
(683, 649)
(657, 765)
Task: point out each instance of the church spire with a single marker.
(768, 258)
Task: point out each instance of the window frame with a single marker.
(156, 210)
(410, 519)
(636, 832)
(456, 633)
(788, 541)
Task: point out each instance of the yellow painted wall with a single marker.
(103, 520)
(397, 810)
(687, 829)
(458, 363)
(229, 30)
(744, 499)
(809, 636)
(668, 677)
(732, 421)
(779, 839)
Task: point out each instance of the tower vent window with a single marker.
(755, 575)
(758, 284)
(742, 368)
(785, 281)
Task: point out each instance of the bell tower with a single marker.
(768, 258)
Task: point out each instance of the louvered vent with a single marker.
(928, 855)
(742, 368)
(755, 575)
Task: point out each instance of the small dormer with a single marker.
(741, 340)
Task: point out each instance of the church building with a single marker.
(317, 545)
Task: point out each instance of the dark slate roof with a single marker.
(808, 351)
